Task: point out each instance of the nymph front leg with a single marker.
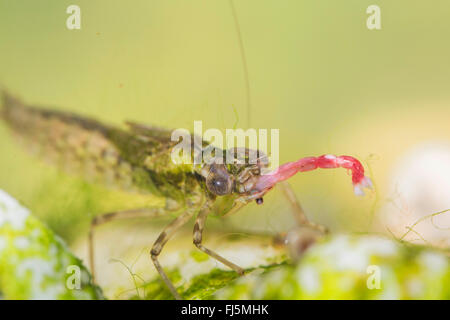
(164, 236)
(197, 239)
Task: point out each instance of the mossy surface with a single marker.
(35, 263)
(200, 287)
(338, 267)
(351, 267)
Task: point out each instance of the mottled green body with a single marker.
(136, 160)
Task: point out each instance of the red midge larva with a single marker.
(328, 161)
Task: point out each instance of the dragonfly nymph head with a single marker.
(238, 176)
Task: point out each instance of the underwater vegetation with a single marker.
(36, 264)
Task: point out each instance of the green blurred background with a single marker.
(316, 73)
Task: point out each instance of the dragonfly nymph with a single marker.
(139, 159)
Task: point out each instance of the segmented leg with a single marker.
(299, 213)
(164, 236)
(108, 217)
(198, 231)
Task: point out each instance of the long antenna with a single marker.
(244, 60)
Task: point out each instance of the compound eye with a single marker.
(219, 183)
